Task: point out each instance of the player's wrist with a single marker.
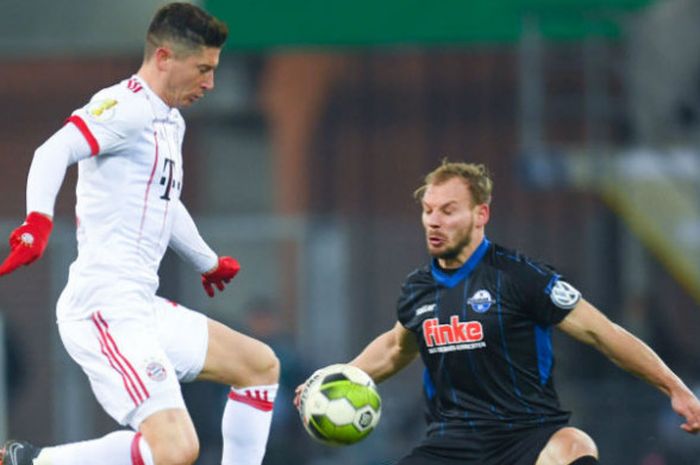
(41, 220)
(225, 270)
(211, 266)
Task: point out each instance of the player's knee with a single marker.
(177, 453)
(172, 446)
(580, 445)
(267, 366)
(260, 368)
(567, 445)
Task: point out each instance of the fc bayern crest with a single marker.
(156, 371)
(481, 301)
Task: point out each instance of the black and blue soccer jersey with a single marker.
(484, 332)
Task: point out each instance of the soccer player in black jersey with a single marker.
(480, 316)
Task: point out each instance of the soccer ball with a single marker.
(340, 405)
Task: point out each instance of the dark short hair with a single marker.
(475, 176)
(185, 25)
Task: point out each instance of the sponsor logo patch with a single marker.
(101, 110)
(564, 295)
(453, 336)
(481, 301)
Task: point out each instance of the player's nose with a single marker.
(433, 220)
(208, 82)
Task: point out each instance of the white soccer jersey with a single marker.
(128, 193)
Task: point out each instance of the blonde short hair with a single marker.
(475, 176)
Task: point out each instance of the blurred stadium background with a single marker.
(302, 163)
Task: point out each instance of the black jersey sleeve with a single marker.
(547, 297)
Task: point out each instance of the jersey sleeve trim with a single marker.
(87, 134)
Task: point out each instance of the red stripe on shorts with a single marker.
(124, 359)
(127, 370)
(127, 383)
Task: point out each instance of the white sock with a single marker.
(246, 424)
(117, 448)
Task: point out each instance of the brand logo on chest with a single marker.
(168, 179)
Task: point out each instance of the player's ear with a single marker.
(482, 213)
(162, 57)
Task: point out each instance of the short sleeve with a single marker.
(548, 296)
(404, 305)
(110, 119)
(417, 297)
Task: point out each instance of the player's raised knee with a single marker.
(266, 366)
(176, 453)
(580, 444)
(170, 437)
(567, 445)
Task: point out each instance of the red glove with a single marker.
(223, 273)
(27, 243)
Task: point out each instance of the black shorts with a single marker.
(505, 447)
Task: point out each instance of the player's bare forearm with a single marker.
(388, 354)
(633, 355)
(589, 325)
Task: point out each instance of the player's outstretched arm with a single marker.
(49, 165)
(589, 325)
(388, 354)
(382, 358)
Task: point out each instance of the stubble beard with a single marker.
(452, 253)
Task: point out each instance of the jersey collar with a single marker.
(452, 279)
(159, 106)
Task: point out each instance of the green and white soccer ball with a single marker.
(340, 405)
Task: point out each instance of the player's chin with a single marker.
(189, 101)
(436, 251)
(443, 252)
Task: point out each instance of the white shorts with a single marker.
(135, 362)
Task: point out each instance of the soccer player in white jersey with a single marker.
(134, 346)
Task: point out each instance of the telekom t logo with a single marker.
(453, 333)
(168, 167)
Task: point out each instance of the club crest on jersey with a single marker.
(156, 371)
(481, 301)
(452, 336)
(564, 295)
(101, 110)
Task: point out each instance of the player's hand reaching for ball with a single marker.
(297, 395)
(687, 405)
(225, 271)
(27, 242)
(300, 389)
